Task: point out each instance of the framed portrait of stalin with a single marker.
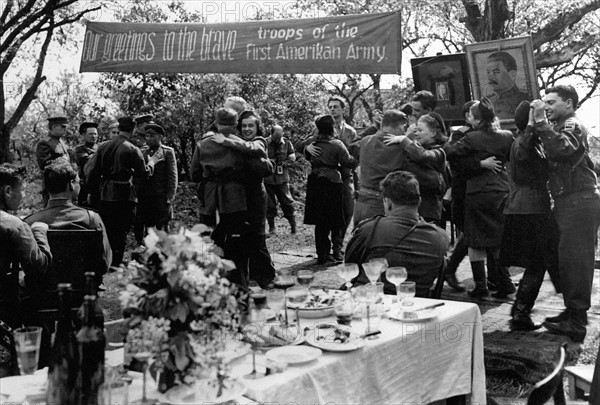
(503, 71)
(447, 78)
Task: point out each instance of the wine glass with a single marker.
(374, 267)
(284, 282)
(251, 332)
(347, 271)
(396, 275)
(143, 357)
(259, 297)
(275, 302)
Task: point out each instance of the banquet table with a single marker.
(410, 362)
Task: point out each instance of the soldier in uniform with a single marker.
(83, 152)
(63, 185)
(52, 147)
(572, 184)
(281, 152)
(505, 95)
(139, 134)
(401, 236)
(157, 193)
(118, 164)
(23, 247)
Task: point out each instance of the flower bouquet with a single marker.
(180, 307)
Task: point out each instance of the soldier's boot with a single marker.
(292, 221)
(271, 222)
(560, 317)
(573, 327)
(480, 290)
(521, 309)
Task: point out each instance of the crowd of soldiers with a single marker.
(393, 179)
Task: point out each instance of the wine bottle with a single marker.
(90, 289)
(64, 361)
(91, 343)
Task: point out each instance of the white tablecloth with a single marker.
(409, 363)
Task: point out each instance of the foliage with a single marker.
(180, 304)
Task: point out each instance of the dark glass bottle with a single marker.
(91, 342)
(64, 361)
(90, 289)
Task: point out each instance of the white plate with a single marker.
(293, 354)
(421, 316)
(188, 395)
(326, 340)
(19, 388)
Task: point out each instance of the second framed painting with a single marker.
(446, 76)
(503, 71)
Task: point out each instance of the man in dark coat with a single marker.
(401, 236)
(83, 152)
(157, 193)
(573, 186)
(52, 147)
(117, 165)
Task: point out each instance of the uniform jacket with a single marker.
(334, 156)
(481, 145)
(278, 153)
(377, 160)
(566, 145)
(218, 171)
(162, 183)
(528, 171)
(49, 149)
(20, 246)
(83, 153)
(422, 251)
(116, 166)
(61, 213)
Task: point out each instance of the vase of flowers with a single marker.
(180, 306)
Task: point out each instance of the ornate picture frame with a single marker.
(446, 76)
(503, 71)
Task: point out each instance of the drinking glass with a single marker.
(344, 309)
(27, 343)
(297, 294)
(372, 315)
(144, 357)
(348, 271)
(374, 267)
(305, 277)
(113, 392)
(249, 331)
(396, 276)
(407, 292)
(275, 301)
(284, 282)
(259, 297)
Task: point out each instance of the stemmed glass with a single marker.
(144, 357)
(305, 277)
(259, 297)
(396, 275)
(374, 267)
(251, 331)
(284, 282)
(407, 291)
(348, 271)
(367, 294)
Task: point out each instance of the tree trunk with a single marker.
(5, 153)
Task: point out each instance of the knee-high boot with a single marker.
(480, 290)
(529, 288)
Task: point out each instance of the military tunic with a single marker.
(49, 149)
(83, 153)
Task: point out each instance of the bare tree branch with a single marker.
(565, 55)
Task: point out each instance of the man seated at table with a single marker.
(62, 183)
(401, 236)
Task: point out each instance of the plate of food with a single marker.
(275, 334)
(293, 354)
(318, 303)
(334, 338)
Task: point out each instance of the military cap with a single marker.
(154, 128)
(126, 124)
(226, 116)
(58, 120)
(85, 125)
(522, 115)
(140, 119)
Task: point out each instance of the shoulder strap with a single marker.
(405, 235)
